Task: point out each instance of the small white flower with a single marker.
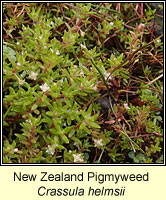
(44, 87)
(45, 47)
(82, 73)
(82, 33)
(15, 150)
(18, 43)
(21, 82)
(75, 67)
(126, 106)
(78, 158)
(107, 75)
(98, 143)
(18, 64)
(40, 37)
(141, 27)
(57, 53)
(83, 46)
(50, 150)
(158, 41)
(95, 88)
(33, 75)
(111, 23)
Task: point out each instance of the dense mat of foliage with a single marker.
(82, 83)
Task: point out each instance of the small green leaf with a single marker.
(140, 157)
(10, 52)
(53, 131)
(76, 140)
(34, 106)
(131, 155)
(136, 160)
(82, 126)
(50, 113)
(94, 125)
(89, 110)
(65, 139)
(69, 120)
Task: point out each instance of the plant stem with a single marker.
(102, 76)
(111, 106)
(8, 110)
(100, 156)
(128, 59)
